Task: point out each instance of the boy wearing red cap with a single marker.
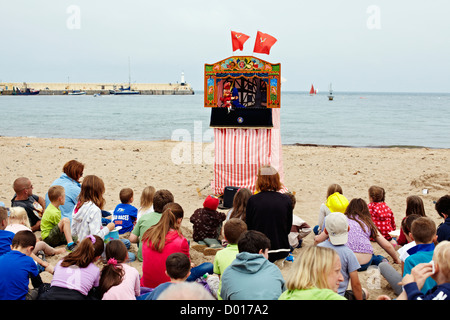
(207, 223)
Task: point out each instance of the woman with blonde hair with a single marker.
(315, 275)
(271, 212)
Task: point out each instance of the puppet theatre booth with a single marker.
(243, 93)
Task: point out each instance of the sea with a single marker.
(354, 119)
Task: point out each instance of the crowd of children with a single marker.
(248, 242)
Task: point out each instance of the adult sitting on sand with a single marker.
(33, 204)
(270, 212)
(70, 180)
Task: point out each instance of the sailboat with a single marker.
(126, 90)
(312, 91)
(330, 96)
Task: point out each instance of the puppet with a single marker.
(235, 99)
(226, 97)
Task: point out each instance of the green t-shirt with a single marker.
(142, 225)
(50, 218)
(222, 260)
(310, 294)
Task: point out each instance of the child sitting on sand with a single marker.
(178, 268)
(160, 241)
(336, 226)
(18, 221)
(125, 214)
(414, 205)
(381, 214)
(87, 214)
(16, 266)
(76, 274)
(300, 229)
(54, 230)
(146, 201)
(6, 236)
(239, 204)
(251, 276)
(438, 269)
(207, 223)
(443, 209)
(327, 206)
(362, 229)
(232, 230)
(161, 198)
(423, 231)
(386, 269)
(118, 281)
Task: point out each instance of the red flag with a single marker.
(238, 39)
(263, 43)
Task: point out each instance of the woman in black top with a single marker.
(270, 212)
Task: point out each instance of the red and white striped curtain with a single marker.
(240, 152)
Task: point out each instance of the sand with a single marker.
(308, 170)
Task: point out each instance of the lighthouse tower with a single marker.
(182, 79)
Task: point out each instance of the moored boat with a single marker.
(26, 92)
(76, 93)
(124, 91)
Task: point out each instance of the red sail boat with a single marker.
(312, 91)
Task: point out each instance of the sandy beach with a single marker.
(308, 170)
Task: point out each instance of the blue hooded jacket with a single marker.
(72, 189)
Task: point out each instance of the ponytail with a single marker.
(89, 249)
(112, 273)
(156, 235)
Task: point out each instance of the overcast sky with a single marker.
(358, 45)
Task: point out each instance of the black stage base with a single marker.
(241, 118)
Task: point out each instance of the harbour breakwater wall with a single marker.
(9, 88)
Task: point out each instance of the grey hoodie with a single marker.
(251, 277)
